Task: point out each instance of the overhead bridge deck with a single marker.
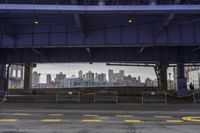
(46, 31)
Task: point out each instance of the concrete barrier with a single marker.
(106, 96)
(154, 96)
(3, 96)
(68, 96)
(196, 96)
(122, 90)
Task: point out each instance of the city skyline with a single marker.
(72, 69)
(90, 79)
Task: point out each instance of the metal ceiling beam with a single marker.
(7, 29)
(29, 8)
(167, 20)
(78, 20)
(79, 24)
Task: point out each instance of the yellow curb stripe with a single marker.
(174, 121)
(90, 115)
(124, 116)
(55, 114)
(22, 114)
(8, 120)
(163, 116)
(91, 120)
(51, 120)
(133, 121)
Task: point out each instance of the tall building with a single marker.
(101, 78)
(60, 77)
(96, 77)
(84, 77)
(110, 75)
(80, 74)
(121, 73)
(139, 79)
(68, 83)
(90, 76)
(35, 78)
(48, 79)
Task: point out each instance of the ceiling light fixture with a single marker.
(130, 19)
(36, 20)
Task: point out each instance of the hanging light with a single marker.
(101, 2)
(130, 19)
(36, 20)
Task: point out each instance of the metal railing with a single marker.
(196, 96)
(3, 96)
(106, 96)
(68, 96)
(154, 96)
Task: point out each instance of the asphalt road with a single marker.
(107, 118)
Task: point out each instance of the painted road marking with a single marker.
(124, 116)
(8, 120)
(55, 114)
(22, 114)
(133, 121)
(90, 115)
(192, 118)
(51, 120)
(88, 120)
(163, 116)
(174, 121)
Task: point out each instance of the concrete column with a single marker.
(28, 78)
(181, 80)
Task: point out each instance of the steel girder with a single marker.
(101, 54)
(178, 33)
(82, 9)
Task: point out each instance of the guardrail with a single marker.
(3, 96)
(154, 96)
(196, 96)
(68, 96)
(106, 96)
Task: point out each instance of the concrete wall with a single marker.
(123, 91)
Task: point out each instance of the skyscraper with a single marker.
(110, 75)
(121, 73)
(35, 78)
(96, 77)
(139, 79)
(48, 79)
(101, 77)
(60, 77)
(80, 74)
(90, 76)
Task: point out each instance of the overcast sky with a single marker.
(72, 69)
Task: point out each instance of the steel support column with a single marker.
(161, 72)
(3, 80)
(163, 75)
(28, 78)
(181, 80)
